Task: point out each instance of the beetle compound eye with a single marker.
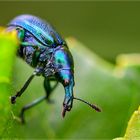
(66, 82)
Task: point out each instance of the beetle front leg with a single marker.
(19, 93)
(38, 71)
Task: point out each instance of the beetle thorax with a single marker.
(60, 59)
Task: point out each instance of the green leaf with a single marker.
(8, 45)
(133, 128)
(114, 88)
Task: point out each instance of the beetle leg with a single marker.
(19, 93)
(48, 88)
(28, 106)
(21, 33)
(21, 36)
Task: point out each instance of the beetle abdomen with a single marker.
(40, 29)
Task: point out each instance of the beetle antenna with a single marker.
(91, 105)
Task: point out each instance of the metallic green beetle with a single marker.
(46, 51)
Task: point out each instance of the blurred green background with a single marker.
(108, 28)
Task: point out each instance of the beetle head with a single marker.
(65, 74)
(67, 79)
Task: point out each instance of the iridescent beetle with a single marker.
(46, 51)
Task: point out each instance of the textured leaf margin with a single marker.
(8, 47)
(133, 128)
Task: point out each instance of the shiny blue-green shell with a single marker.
(39, 28)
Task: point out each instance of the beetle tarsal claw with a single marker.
(13, 99)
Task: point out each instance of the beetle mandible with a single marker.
(46, 51)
